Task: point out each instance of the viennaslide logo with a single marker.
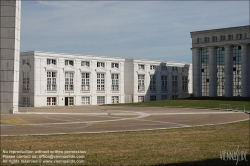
(236, 155)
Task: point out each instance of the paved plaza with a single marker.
(94, 119)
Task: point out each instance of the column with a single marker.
(196, 72)
(228, 71)
(212, 72)
(244, 70)
(9, 54)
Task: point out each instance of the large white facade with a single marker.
(63, 79)
(147, 80)
(9, 54)
(221, 63)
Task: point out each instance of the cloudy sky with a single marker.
(157, 30)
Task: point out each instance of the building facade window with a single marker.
(26, 101)
(222, 38)
(164, 68)
(100, 81)
(239, 36)
(51, 61)
(85, 63)
(71, 100)
(152, 67)
(214, 38)
(164, 97)
(101, 64)
(85, 82)
(152, 98)
(115, 65)
(140, 98)
(175, 83)
(141, 67)
(204, 72)
(25, 61)
(69, 81)
(115, 99)
(115, 82)
(198, 40)
(237, 71)
(141, 85)
(220, 71)
(164, 83)
(174, 96)
(152, 85)
(69, 63)
(100, 99)
(85, 100)
(51, 100)
(230, 37)
(174, 69)
(206, 39)
(51, 81)
(185, 84)
(26, 80)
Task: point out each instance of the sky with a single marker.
(154, 30)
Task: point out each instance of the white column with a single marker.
(244, 70)
(212, 72)
(9, 55)
(228, 71)
(196, 72)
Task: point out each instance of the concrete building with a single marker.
(9, 54)
(147, 80)
(221, 62)
(62, 79)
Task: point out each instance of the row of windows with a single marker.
(153, 98)
(152, 85)
(83, 63)
(223, 38)
(163, 68)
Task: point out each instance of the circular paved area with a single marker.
(92, 119)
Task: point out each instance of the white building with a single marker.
(61, 79)
(221, 63)
(147, 80)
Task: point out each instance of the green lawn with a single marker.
(192, 103)
(177, 147)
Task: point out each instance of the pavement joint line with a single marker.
(122, 131)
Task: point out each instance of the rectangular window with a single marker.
(85, 63)
(115, 99)
(51, 81)
(100, 81)
(69, 63)
(230, 37)
(184, 84)
(85, 100)
(115, 82)
(51, 61)
(214, 38)
(152, 98)
(164, 84)
(71, 100)
(100, 99)
(222, 38)
(174, 69)
(198, 40)
(174, 96)
(175, 83)
(101, 64)
(115, 65)
(152, 67)
(51, 100)
(141, 86)
(206, 39)
(85, 81)
(141, 67)
(164, 68)
(239, 36)
(26, 101)
(152, 85)
(140, 98)
(26, 81)
(69, 81)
